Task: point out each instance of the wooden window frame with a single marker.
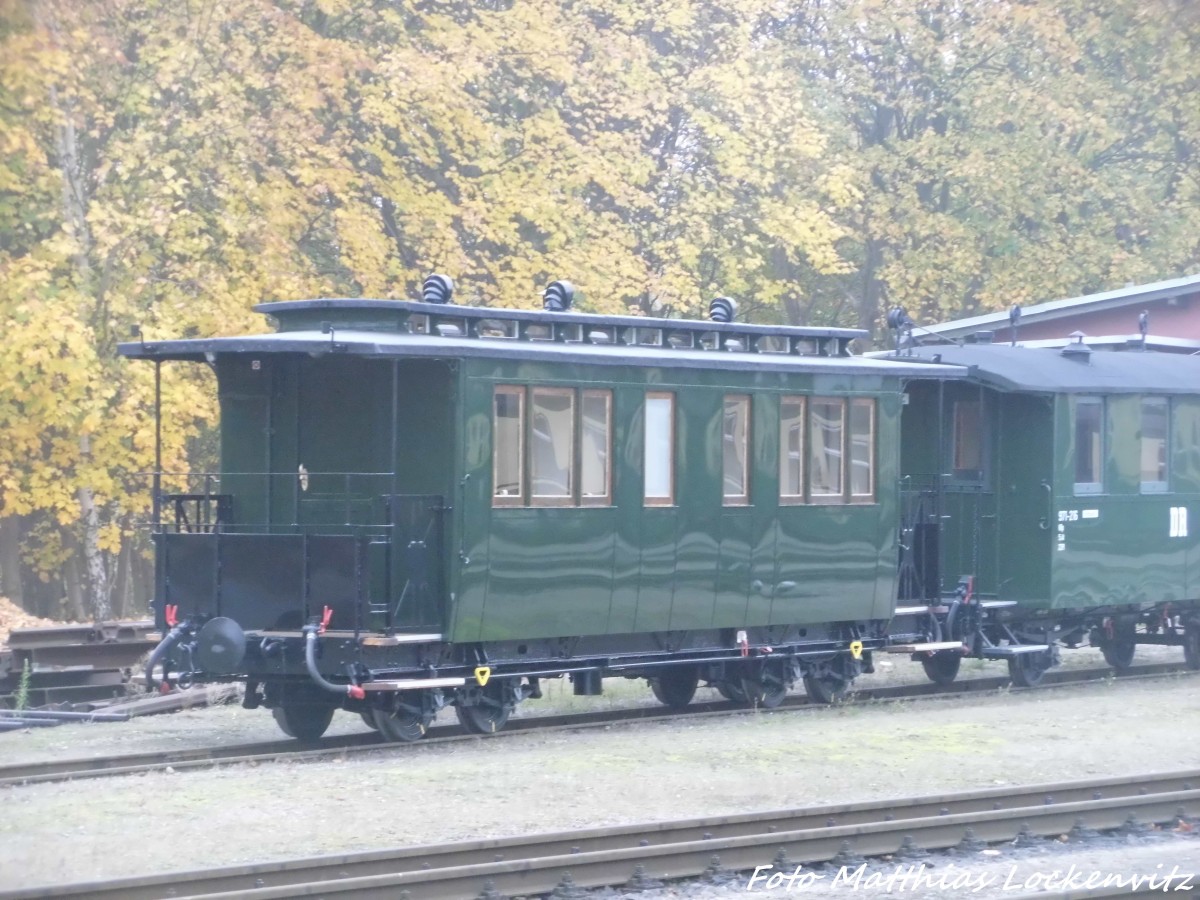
(1087, 488)
(743, 402)
(668, 500)
(571, 497)
(958, 429)
(517, 499)
(525, 497)
(872, 406)
(1163, 486)
(801, 498)
(606, 498)
(832, 499)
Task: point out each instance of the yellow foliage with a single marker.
(816, 160)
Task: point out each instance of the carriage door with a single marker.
(416, 546)
(968, 502)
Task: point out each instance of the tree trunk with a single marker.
(120, 590)
(143, 585)
(95, 589)
(10, 560)
(74, 586)
(76, 199)
(872, 288)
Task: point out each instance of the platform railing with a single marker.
(344, 539)
(272, 502)
(919, 576)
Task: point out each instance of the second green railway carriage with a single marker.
(1058, 488)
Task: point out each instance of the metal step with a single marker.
(412, 684)
(1009, 652)
(918, 610)
(930, 647)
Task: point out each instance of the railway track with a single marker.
(126, 764)
(841, 835)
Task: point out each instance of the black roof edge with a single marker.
(200, 350)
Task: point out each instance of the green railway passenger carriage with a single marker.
(1050, 500)
(422, 505)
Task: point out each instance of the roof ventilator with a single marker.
(437, 289)
(558, 297)
(900, 322)
(1077, 350)
(722, 309)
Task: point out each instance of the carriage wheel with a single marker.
(942, 668)
(675, 686)
(1191, 643)
(1119, 649)
(1028, 669)
(768, 687)
(1118, 653)
(401, 719)
(303, 721)
(826, 689)
(767, 694)
(489, 714)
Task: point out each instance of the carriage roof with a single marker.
(401, 328)
(1067, 370)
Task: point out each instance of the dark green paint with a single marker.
(515, 573)
(1115, 546)
(546, 572)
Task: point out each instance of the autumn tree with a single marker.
(169, 166)
(1006, 151)
(169, 163)
(654, 154)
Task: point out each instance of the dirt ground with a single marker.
(564, 780)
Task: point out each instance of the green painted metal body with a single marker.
(525, 573)
(1117, 546)
(628, 568)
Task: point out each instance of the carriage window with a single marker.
(552, 445)
(862, 450)
(595, 470)
(1154, 444)
(507, 451)
(968, 439)
(561, 437)
(1089, 445)
(791, 449)
(659, 468)
(825, 459)
(736, 430)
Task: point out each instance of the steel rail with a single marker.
(682, 849)
(342, 745)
